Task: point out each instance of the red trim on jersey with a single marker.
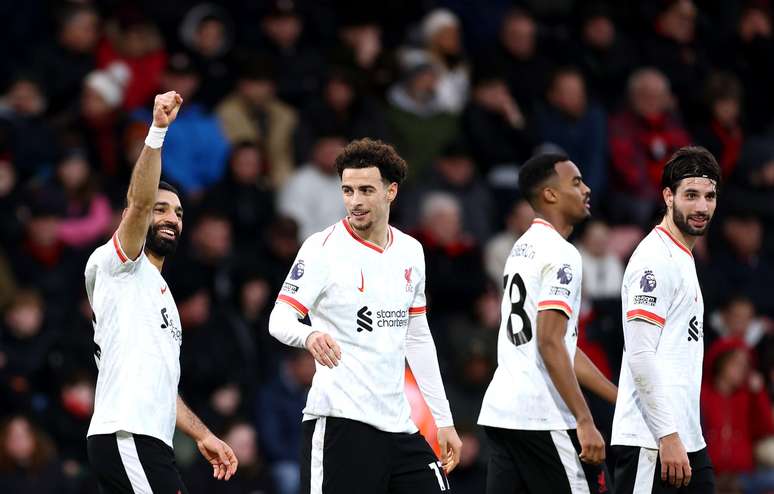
(121, 255)
(416, 311)
(645, 316)
(368, 244)
(555, 304)
(298, 306)
(538, 221)
(329, 235)
(677, 242)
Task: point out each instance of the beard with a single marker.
(159, 245)
(363, 227)
(681, 221)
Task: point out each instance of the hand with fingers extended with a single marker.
(675, 466)
(451, 446)
(323, 348)
(220, 455)
(165, 108)
(591, 442)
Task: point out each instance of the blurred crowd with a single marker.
(273, 91)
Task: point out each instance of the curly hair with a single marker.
(366, 153)
(687, 162)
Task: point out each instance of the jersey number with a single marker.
(437, 468)
(517, 310)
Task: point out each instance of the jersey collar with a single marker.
(539, 221)
(679, 244)
(365, 242)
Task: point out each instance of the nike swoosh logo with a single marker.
(361, 288)
(164, 290)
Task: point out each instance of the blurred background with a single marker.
(466, 91)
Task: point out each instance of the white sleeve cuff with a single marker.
(285, 326)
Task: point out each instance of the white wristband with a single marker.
(155, 137)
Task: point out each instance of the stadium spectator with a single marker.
(299, 64)
(87, 219)
(68, 418)
(207, 32)
(736, 318)
(29, 136)
(244, 194)
(418, 124)
(317, 211)
(253, 477)
(454, 267)
(10, 223)
(494, 124)
(518, 54)
(61, 66)
(674, 49)
(602, 271)
(253, 113)
(736, 413)
(642, 137)
(442, 37)
(134, 40)
(498, 248)
(343, 110)
(576, 125)
(752, 183)
(454, 172)
(278, 418)
(723, 135)
(605, 55)
(28, 461)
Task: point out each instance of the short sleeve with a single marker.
(112, 259)
(307, 278)
(649, 289)
(419, 302)
(560, 285)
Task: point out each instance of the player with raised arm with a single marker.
(541, 432)
(137, 338)
(362, 284)
(657, 422)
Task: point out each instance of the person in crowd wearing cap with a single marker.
(253, 113)
(578, 126)
(657, 422)
(137, 337)
(195, 149)
(418, 123)
(442, 38)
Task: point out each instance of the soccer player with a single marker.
(362, 284)
(540, 430)
(657, 420)
(137, 337)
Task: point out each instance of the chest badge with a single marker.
(164, 289)
(407, 275)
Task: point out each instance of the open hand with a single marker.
(220, 455)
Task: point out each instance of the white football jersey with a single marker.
(362, 295)
(542, 272)
(660, 286)
(137, 338)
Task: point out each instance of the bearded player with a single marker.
(137, 338)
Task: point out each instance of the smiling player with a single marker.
(657, 419)
(362, 283)
(137, 338)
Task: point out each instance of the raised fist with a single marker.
(165, 108)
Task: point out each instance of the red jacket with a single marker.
(733, 423)
(639, 149)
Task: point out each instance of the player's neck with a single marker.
(669, 225)
(377, 234)
(154, 259)
(561, 225)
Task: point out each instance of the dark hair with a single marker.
(688, 162)
(722, 86)
(42, 455)
(534, 173)
(366, 153)
(167, 186)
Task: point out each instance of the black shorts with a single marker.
(638, 471)
(133, 464)
(538, 462)
(343, 456)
